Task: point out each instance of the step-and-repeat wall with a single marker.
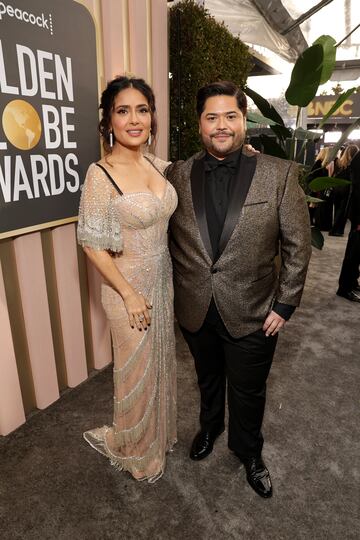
(55, 59)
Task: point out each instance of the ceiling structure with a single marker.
(245, 19)
(281, 29)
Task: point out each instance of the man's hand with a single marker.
(273, 324)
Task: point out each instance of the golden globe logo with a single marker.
(21, 124)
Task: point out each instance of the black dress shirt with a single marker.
(219, 182)
(220, 176)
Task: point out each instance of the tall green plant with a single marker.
(313, 67)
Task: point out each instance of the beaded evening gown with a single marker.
(134, 227)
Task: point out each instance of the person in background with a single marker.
(341, 193)
(349, 287)
(321, 214)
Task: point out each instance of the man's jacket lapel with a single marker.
(197, 179)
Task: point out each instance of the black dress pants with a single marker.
(245, 364)
(323, 215)
(341, 201)
(349, 275)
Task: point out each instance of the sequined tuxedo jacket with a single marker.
(267, 213)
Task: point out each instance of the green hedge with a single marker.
(201, 51)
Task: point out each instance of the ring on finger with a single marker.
(141, 318)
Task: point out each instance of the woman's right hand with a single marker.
(138, 308)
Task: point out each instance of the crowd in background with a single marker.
(332, 214)
(341, 203)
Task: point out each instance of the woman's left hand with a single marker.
(250, 149)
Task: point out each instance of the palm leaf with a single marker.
(329, 45)
(324, 182)
(340, 100)
(317, 239)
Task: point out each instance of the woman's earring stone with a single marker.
(111, 139)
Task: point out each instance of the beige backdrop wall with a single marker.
(53, 333)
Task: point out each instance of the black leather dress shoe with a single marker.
(353, 296)
(258, 476)
(203, 444)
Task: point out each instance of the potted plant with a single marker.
(313, 68)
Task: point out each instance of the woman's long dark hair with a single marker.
(107, 103)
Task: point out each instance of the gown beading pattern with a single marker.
(133, 227)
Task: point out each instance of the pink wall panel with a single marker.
(11, 407)
(99, 326)
(68, 286)
(160, 69)
(112, 19)
(138, 39)
(31, 276)
(112, 36)
(131, 36)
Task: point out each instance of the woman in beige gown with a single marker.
(124, 211)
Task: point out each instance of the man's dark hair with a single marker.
(220, 88)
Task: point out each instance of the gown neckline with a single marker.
(124, 193)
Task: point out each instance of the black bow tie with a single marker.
(213, 164)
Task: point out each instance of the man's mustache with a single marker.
(221, 132)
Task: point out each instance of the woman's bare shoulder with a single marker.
(159, 163)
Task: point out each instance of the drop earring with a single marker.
(111, 139)
(149, 139)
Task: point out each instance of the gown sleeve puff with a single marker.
(99, 226)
